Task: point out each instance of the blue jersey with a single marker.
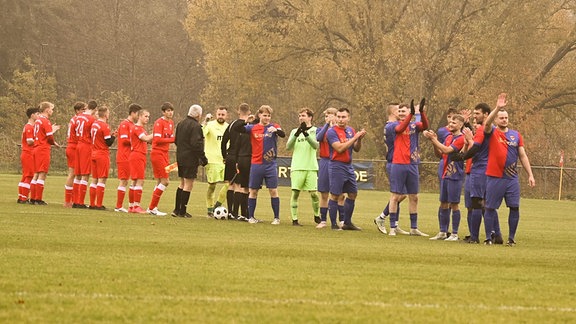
(389, 137)
(264, 143)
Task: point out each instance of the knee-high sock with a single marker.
(496, 228)
(178, 201)
(315, 203)
(323, 213)
(275, 202)
(185, 197)
(251, 207)
(469, 220)
(333, 211)
(393, 219)
(75, 189)
(456, 217)
(444, 219)
(210, 196)
(131, 196)
(386, 210)
(100, 187)
(413, 220)
(222, 194)
(294, 204)
(120, 193)
(349, 210)
(475, 221)
(68, 194)
(341, 213)
(489, 216)
(81, 193)
(93, 194)
(244, 204)
(236, 203)
(230, 200)
(39, 189)
(33, 190)
(137, 195)
(156, 195)
(513, 220)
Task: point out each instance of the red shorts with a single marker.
(71, 155)
(83, 159)
(159, 161)
(100, 166)
(137, 166)
(123, 170)
(41, 160)
(27, 160)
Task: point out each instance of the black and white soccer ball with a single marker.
(221, 213)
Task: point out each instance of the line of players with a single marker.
(492, 153)
(234, 159)
(87, 152)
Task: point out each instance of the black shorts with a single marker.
(188, 171)
(243, 178)
(230, 169)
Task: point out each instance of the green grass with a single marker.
(66, 265)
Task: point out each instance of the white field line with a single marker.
(215, 299)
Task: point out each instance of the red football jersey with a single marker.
(138, 145)
(163, 134)
(124, 147)
(27, 133)
(100, 133)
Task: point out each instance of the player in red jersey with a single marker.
(139, 141)
(505, 149)
(83, 153)
(163, 135)
(404, 174)
(27, 156)
(102, 139)
(44, 139)
(72, 182)
(123, 155)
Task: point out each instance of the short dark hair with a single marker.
(244, 108)
(167, 106)
(92, 104)
(102, 111)
(344, 109)
(484, 107)
(222, 108)
(79, 105)
(134, 107)
(308, 111)
(32, 110)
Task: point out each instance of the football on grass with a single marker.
(221, 213)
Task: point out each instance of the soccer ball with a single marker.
(221, 212)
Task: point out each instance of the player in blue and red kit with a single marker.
(505, 148)
(452, 177)
(476, 153)
(405, 161)
(343, 139)
(264, 139)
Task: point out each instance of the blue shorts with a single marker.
(266, 172)
(404, 178)
(342, 178)
(389, 172)
(502, 188)
(478, 185)
(324, 175)
(450, 191)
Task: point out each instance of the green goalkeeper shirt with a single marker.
(213, 132)
(304, 147)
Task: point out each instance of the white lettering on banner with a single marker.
(283, 172)
(361, 176)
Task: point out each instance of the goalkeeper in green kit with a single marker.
(304, 167)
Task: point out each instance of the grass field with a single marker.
(67, 265)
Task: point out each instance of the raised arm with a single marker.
(501, 102)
